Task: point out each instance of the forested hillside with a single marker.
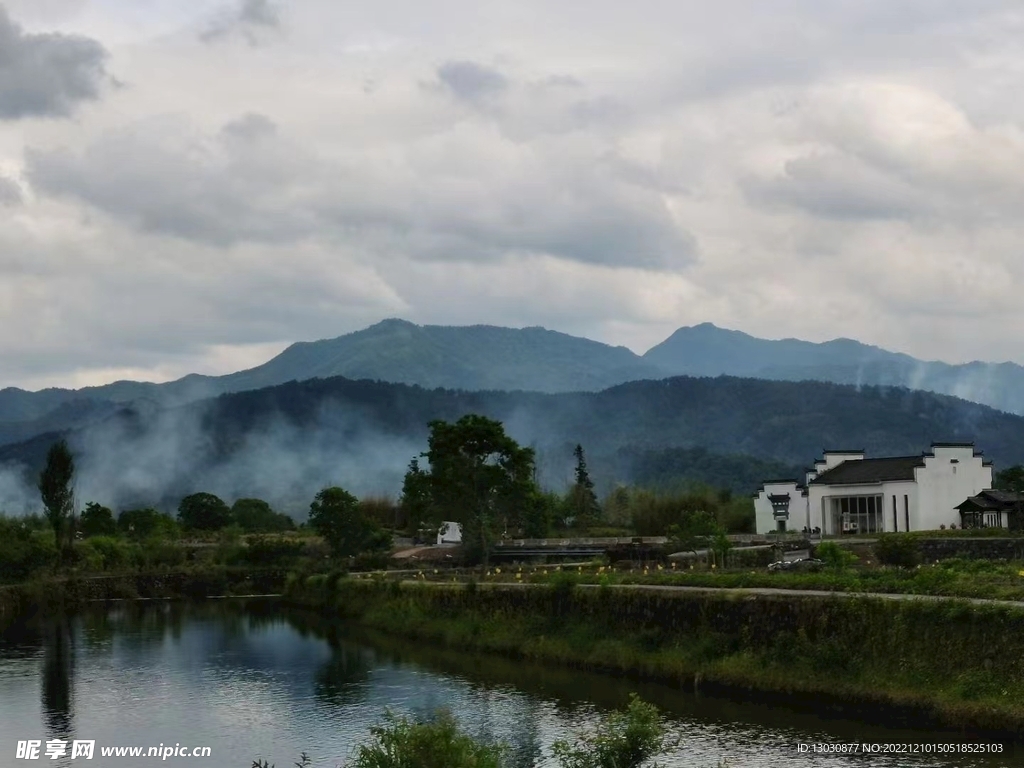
(283, 443)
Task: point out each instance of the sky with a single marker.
(190, 187)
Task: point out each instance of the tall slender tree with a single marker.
(582, 499)
(58, 495)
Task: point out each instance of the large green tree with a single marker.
(257, 516)
(203, 512)
(335, 515)
(480, 478)
(57, 493)
(416, 500)
(97, 520)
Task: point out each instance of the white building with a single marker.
(848, 493)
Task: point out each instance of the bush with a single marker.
(25, 549)
(624, 740)
(834, 556)
(266, 551)
(438, 743)
(105, 553)
(562, 583)
(897, 549)
(157, 553)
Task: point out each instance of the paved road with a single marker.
(755, 591)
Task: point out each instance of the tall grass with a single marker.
(898, 652)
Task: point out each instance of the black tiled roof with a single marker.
(995, 501)
(860, 471)
(773, 498)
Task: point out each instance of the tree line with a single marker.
(472, 474)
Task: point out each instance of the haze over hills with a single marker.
(485, 357)
(286, 442)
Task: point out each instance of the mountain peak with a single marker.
(392, 323)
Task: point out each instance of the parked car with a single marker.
(805, 564)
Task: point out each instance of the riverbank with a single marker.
(914, 663)
(70, 592)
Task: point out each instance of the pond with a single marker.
(248, 679)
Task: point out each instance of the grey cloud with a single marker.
(10, 192)
(838, 186)
(47, 75)
(249, 127)
(196, 193)
(249, 20)
(236, 190)
(470, 81)
(259, 13)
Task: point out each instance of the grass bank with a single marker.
(982, 579)
(64, 593)
(913, 662)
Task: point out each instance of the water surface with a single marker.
(249, 680)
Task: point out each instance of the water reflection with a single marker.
(58, 679)
(252, 680)
(344, 678)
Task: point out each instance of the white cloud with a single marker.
(791, 169)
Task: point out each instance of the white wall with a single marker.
(906, 493)
(939, 486)
(819, 501)
(764, 514)
(834, 459)
(944, 483)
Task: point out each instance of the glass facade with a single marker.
(857, 514)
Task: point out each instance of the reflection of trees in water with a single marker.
(58, 679)
(525, 744)
(343, 679)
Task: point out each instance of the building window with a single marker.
(857, 514)
(992, 520)
(906, 512)
(895, 515)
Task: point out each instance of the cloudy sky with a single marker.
(191, 186)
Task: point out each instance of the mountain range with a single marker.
(286, 442)
(355, 409)
(483, 357)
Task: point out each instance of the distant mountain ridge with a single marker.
(706, 350)
(483, 357)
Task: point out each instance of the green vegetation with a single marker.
(680, 514)
(625, 739)
(479, 477)
(97, 520)
(950, 661)
(893, 549)
(404, 743)
(257, 516)
(335, 515)
(27, 547)
(203, 512)
(58, 496)
(581, 500)
(836, 557)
